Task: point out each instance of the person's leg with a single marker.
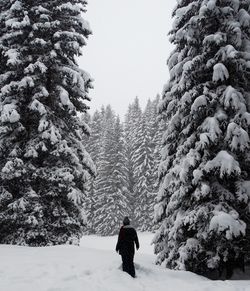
(125, 263)
(131, 265)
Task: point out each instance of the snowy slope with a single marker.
(95, 267)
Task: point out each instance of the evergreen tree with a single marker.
(158, 128)
(128, 148)
(44, 166)
(204, 194)
(94, 148)
(111, 202)
(132, 143)
(143, 165)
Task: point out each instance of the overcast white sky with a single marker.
(127, 53)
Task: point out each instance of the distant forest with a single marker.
(126, 155)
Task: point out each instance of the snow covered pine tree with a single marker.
(132, 143)
(143, 171)
(94, 148)
(111, 194)
(43, 164)
(203, 201)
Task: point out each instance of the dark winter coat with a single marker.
(127, 240)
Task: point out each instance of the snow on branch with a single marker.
(225, 163)
(228, 222)
(220, 73)
(9, 113)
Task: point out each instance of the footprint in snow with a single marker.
(139, 269)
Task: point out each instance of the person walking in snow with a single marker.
(125, 246)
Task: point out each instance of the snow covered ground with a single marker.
(95, 266)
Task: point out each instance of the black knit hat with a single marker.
(126, 221)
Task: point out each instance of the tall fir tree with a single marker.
(158, 128)
(143, 165)
(111, 202)
(132, 143)
(93, 145)
(44, 166)
(203, 201)
(128, 148)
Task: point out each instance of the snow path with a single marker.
(95, 267)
